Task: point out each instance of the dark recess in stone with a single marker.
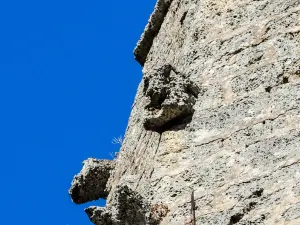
(258, 193)
(250, 207)
(176, 124)
(285, 80)
(183, 18)
(268, 89)
(235, 218)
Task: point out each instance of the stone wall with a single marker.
(217, 112)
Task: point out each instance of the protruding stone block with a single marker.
(128, 207)
(171, 96)
(90, 183)
(99, 215)
(157, 18)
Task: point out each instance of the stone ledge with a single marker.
(90, 183)
(152, 28)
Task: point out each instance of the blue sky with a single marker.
(67, 82)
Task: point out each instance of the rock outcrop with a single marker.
(217, 113)
(156, 19)
(171, 97)
(128, 207)
(90, 183)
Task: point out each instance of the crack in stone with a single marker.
(244, 128)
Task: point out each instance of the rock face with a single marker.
(217, 112)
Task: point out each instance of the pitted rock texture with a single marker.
(171, 96)
(128, 208)
(90, 183)
(99, 215)
(240, 150)
(157, 18)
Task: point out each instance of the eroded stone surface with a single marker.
(99, 215)
(243, 136)
(240, 151)
(144, 45)
(90, 183)
(171, 96)
(128, 207)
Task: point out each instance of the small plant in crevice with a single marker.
(117, 140)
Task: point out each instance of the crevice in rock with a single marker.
(257, 193)
(235, 52)
(285, 80)
(176, 124)
(237, 217)
(268, 89)
(159, 141)
(253, 61)
(249, 207)
(183, 17)
(281, 80)
(243, 128)
(234, 219)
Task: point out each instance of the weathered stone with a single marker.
(239, 151)
(99, 215)
(90, 183)
(171, 96)
(157, 18)
(128, 208)
(158, 212)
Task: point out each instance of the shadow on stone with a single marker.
(151, 30)
(90, 183)
(171, 97)
(128, 207)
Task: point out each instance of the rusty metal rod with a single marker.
(193, 208)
